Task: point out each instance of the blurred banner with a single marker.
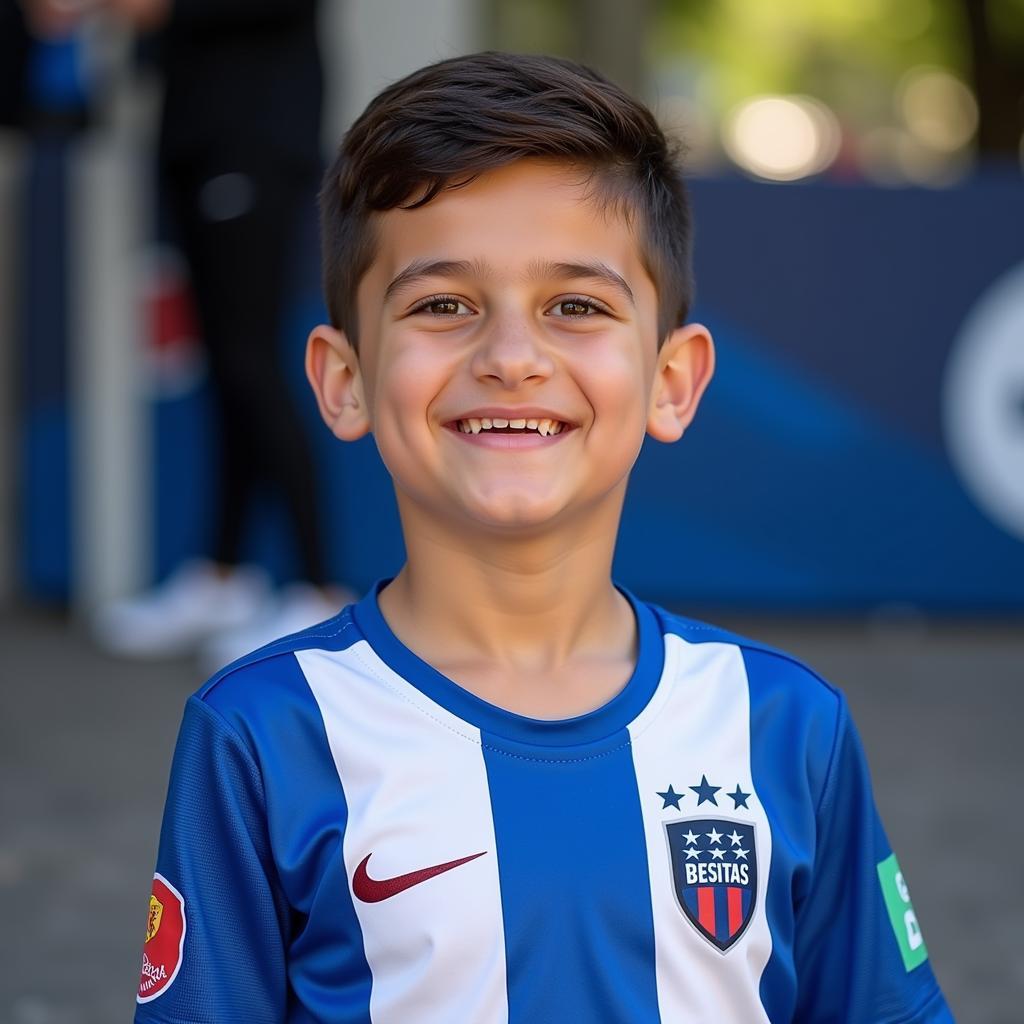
(863, 442)
(861, 445)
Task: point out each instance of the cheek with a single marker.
(617, 384)
(407, 385)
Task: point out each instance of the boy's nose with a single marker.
(511, 352)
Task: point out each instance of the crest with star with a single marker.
(714, 872)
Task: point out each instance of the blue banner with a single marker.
(862, 444)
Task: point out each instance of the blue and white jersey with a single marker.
(351, 837)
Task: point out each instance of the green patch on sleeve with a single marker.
(901, 913)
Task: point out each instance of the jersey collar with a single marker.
(604, 722)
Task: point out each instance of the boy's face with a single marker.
(512, 298)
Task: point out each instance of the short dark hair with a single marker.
(445, 124)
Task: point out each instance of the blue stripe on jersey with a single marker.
(306, 803)
(575, 890)
(774, 741)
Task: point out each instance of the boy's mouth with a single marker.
(545, 427)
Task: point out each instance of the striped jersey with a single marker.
(350, 836)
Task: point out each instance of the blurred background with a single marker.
(853, 488)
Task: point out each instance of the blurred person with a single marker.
(499, 787)
(48, 95)
(15, 43)
(239, 157)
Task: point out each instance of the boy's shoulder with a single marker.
(262, 682)
(782, 692)
(767, 667)
(796, 719)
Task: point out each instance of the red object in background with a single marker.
(173, 340)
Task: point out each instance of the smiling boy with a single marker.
(500, 788)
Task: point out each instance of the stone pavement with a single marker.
(85, 746)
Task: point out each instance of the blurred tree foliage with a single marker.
(851, 54)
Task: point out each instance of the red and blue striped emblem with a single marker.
(714, 872)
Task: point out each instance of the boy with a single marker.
(499, 788)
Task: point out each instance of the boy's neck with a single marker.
(533, 625)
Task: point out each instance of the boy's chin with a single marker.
(527, 514)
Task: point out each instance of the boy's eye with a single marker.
(576, 308)
(443, 305)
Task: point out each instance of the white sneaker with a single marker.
(299, 606)
(196, 601)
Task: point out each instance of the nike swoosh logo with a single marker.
(373, 890)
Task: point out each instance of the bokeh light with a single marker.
(781, 138)
(938, 109)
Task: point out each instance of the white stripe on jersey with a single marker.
(698, 723)
(416, 787)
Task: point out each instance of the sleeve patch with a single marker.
(901, 914)
(165, 940)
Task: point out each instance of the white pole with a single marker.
(369, 43)
(111, 199)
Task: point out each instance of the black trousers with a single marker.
(236, 221)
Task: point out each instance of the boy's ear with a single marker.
(685, 365)
(332, 369)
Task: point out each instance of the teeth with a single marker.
(545, 428)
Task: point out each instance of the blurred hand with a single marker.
(143, 15)
(55, 18)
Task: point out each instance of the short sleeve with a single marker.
(214, 949)
(860, 955)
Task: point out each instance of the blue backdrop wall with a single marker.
(817, 474)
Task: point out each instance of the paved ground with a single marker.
(85, 745)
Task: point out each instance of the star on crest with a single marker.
(692, 853)
(705, 791)
(671, 798)
(690, 837)
(740, 852)
(714, 835)
(718, 854)
(739, 798)
(735, 837)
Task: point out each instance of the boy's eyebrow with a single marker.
(432, 268)
(594, 269)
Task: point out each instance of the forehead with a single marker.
(505, 223)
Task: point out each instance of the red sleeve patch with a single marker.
(165, 940)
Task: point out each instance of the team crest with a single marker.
(165, 940)
(156, 910)
(714, 874)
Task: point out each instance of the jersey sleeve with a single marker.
(860, 955)
(214, 948)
